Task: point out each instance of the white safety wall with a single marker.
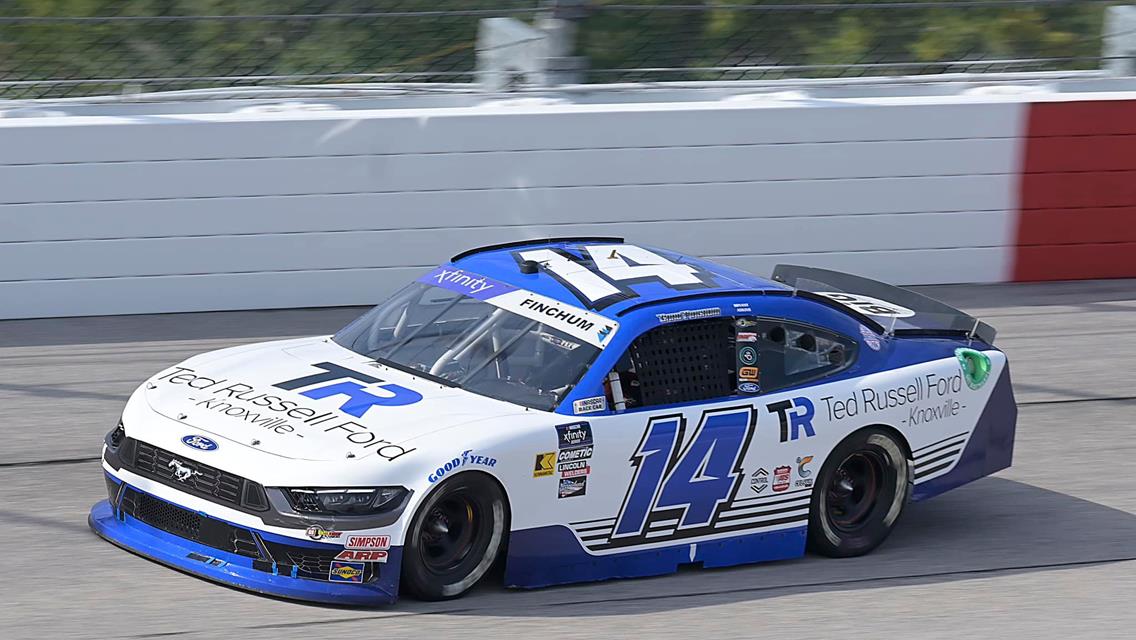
(140, 214)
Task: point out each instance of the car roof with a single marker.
(504, 263)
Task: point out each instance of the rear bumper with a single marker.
(259, 575)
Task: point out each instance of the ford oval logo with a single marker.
(201, 443)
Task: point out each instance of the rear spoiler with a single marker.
(916, 315)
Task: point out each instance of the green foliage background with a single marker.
(47, 45)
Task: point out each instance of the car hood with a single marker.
(310, 399)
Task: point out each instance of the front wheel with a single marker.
(454, 538)
(859, 495)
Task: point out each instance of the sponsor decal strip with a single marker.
(590, 327)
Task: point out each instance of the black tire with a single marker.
(455, 537)
(860, 494)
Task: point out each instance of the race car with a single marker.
(575, 409)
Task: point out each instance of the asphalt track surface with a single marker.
(1046, 549)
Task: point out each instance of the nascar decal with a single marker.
(686, 487)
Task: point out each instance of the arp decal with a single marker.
(795, 416)
(342, 381)
(603, 276)
(349, 555)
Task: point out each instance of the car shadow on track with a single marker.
(993, 525)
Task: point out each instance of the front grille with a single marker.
(189, 525)
(290, 560)
(311, 563)
(203, 480)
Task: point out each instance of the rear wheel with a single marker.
(860, 494)
(454, 538)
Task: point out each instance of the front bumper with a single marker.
(261, 574)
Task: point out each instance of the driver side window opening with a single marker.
(704, 360)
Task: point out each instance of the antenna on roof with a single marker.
(973, 332)
(530, 266)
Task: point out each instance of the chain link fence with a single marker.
(70, 48)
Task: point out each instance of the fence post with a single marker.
(1120, 41)
(560, 22)
(540, 54)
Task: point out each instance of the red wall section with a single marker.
(1077, 192)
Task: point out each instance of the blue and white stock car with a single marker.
(576, 409)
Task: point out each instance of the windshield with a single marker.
(445, 335)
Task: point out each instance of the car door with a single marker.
(706, 440)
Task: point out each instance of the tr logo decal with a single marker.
(795, 415)
(337, 380)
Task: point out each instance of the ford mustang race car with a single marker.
(576, 409)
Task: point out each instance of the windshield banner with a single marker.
(466, 283)
(585, 325)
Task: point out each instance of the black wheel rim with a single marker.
(448, 533)
(854, 490)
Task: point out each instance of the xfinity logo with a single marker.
(341, 381)
(462, 279)
(795, 415)
(182, 473)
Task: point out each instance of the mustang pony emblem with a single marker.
(182, 473)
